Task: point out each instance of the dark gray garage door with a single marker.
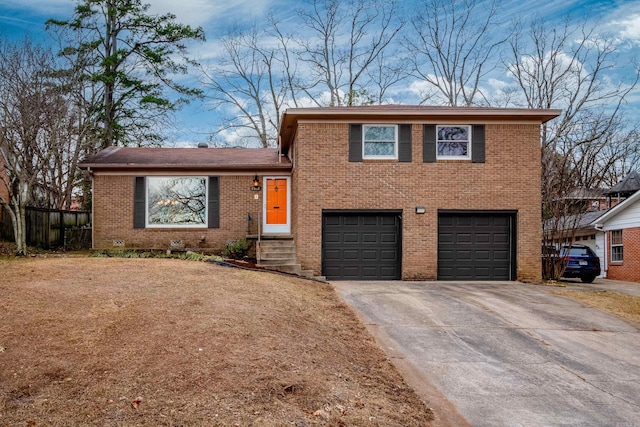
(361, 245)
(476, 246)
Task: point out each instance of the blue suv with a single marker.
(582, 262)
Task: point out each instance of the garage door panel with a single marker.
(475, 246)
(332, 254)
(388, 255)
(388, 220)
(350, 254)
(369, 220)
(369, 254)
(351, 237)
(464, 239)
(370, 238)
(501, 256)
(350, 222)
(501, 238)
(483, 238)
(372, 243)
(389, 238)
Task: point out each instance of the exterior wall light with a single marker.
(420, 209)
(255, 186)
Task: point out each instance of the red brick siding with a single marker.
(629, 268)
(509, 180)
(113, 216)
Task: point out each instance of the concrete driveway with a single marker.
(504, 353)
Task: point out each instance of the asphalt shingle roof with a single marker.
(187, 158)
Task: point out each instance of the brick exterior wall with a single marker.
(113, 216)
(323, 178)
(629, 268)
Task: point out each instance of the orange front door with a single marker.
(276, 201)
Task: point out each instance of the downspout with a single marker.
(93, 206)
(605, 263)
(279, 147)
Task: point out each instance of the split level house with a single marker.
(369, 192)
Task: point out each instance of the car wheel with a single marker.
(588, 279)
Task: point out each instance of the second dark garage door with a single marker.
(476, 246)
(361, 245)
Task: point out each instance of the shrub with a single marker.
(236, 249)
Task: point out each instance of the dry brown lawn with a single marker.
(161, 342)
(623, 305)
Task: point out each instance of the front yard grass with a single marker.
(623, 305)
(165, 342)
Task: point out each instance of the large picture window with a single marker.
(616, 246)
(380, 141)
(176, 201)
(454, 142)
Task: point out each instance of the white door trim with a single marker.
(276, 228)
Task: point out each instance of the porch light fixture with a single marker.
(420, 209)
(255, 186)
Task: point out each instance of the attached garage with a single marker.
(358, 245)
(476, 245)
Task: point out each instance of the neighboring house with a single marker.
(621, 240)
(586, 233)
(372, 192)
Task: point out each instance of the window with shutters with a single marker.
(379, 142)
(453, 142)
(176, 201)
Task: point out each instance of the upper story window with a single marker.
(380, 141)
(616, 246)
(176, 201)
(454, 142)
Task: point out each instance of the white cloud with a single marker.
(629, 28)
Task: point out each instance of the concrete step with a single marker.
(277, 255)
(277, 245)
(272, 262)
(293, 268)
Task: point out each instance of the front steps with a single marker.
(279, 253)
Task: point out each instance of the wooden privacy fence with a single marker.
(51, 228)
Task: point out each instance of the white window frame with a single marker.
(206, 203)
(395, 141)
(617, 245)
(469, 145)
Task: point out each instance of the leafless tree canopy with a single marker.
(590, 145)
(36, 122)
(452, 48)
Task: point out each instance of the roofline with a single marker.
(174, 167)
(620, 207)
(407, 113)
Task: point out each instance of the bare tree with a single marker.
(347, 38)
(569, 68)
(31, 106)
(253, 80)
(453, 49)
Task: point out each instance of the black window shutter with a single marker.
(139, 202)
(429, 143)
(355, 143)
(213, 213)
(404, 143)
(477, 149)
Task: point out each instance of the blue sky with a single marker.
(18, 18)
